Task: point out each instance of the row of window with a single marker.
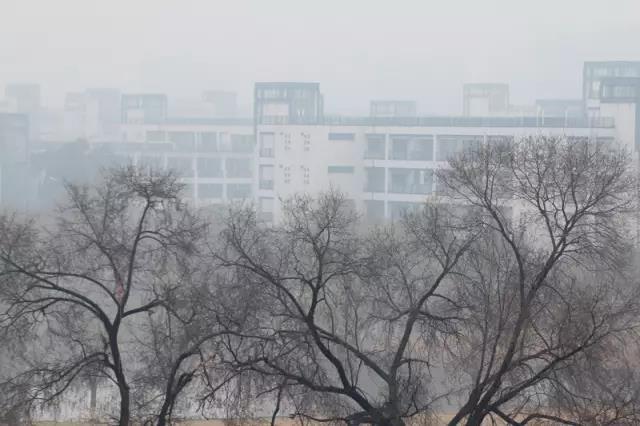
(202, 167)
(203, 141)
(401, 147)
(420, 147)
(216, 190)
(400, 181)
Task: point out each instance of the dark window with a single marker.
(210, 190)
(238, 190)
(375, 147)
(375, 179)
(342, 136)
(209, 167)
(238, 167)
(208, 142)
(183, 166)
(340, 169)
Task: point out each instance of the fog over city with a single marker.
(280, 213)
(358, 50)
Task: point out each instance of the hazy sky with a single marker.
(357, 50)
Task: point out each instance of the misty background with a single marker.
(358, 50)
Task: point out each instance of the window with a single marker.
(210, 190)
(209, 167)
(208, 142)
(399, 148)
(397, 210)
(238, 190)
(156, 136)
(374, 210)
(342, 136)
(266, 177)
(266, 209)
(187, 191)
(410, 181)
(340, 169)
(238, 167)
(450, 145)
(374, 179)
(183, 166)
(242, 143)
(224, 142)
(152, 163)
(410, 147)
(184, 141)
(266, 144)
(375, 147)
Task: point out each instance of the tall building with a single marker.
(385, 166)
(25, 98)
(485, 99)
(287, 103)
(144, 108)
(612, 89)
(93, 115)
(14, 160)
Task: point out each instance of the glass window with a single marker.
(340, 169)
(266, 205)
(410, 181)
(397, 210)
(374, 179)
(450, 145)
(208, 142)
(374, 210)
(156, 136)
(266, 177)
(209, 167)
(210, 190)
(184, 141)
(183, 166)
(242, 143)
(375, 147)
(342, 136)
(267, 141)
(238, 190)
(238, 167)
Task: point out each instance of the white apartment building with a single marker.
(215, 157)
(384, 166)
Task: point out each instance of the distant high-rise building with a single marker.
(612, 88)
(392, 108)
(25, 98)
(287, 103)
(595, 72)
(93, 115)
(14, 156)
(144, 108)
(485, 99)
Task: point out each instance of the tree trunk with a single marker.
(93, 389)
(124, 405)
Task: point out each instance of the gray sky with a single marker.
(358, 50)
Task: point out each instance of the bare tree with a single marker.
(546, 289)
(81, 284)
(348, 320)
